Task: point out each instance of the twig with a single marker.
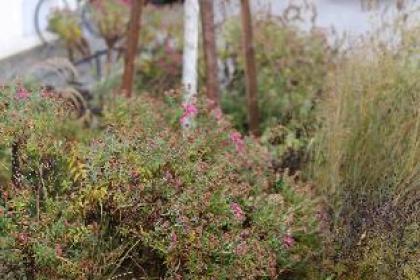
(123, 258)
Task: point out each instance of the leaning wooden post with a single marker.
(250, 68)
(133, 33)
(210, 53)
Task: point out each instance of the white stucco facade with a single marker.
(352, 17)
(17, 29)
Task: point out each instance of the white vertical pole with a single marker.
(190, 55)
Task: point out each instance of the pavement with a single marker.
(33, 64)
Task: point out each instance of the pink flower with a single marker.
(288, 241)
(245, 234)
(174, 240)
(46, 93)
(174, 237)
(23, 238)
(190, 111)
(217, 113)
(237, 140)
(237, 211)
(168, 176)
(58, 250)
(98, 4)
(22, 94)
(126, 2)
(242, 249)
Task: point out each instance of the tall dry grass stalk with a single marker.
(367, 159)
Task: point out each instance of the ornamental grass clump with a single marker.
(367, 163)
(136, 197)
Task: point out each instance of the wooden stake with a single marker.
(250, 68)
(210, 53)
(132, 45)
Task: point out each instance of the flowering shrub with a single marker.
(292, 68)
(135, 197)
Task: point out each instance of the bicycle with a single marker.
(44, 8)
(92, 25)
(82, 7)
(84, 14)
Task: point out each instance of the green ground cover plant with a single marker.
(134, 196)
(329, 191)
(292, 69)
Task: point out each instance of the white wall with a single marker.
(346, 16)
(17, 32)
(17, 29)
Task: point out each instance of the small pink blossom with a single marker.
(237, 140)
(23, 238)
(245, 234)
(174, 240)
(45, 93)
(172, 180)
(217, 113)
(190, 111)
(288, 241)
(96, 3)
(174, 237)
(126, 2)
(237, 211)
(58, 250)
(22, 94)
(242, 249)
(177, 183)
(168, 176)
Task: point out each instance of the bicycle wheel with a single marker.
(42, 11)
